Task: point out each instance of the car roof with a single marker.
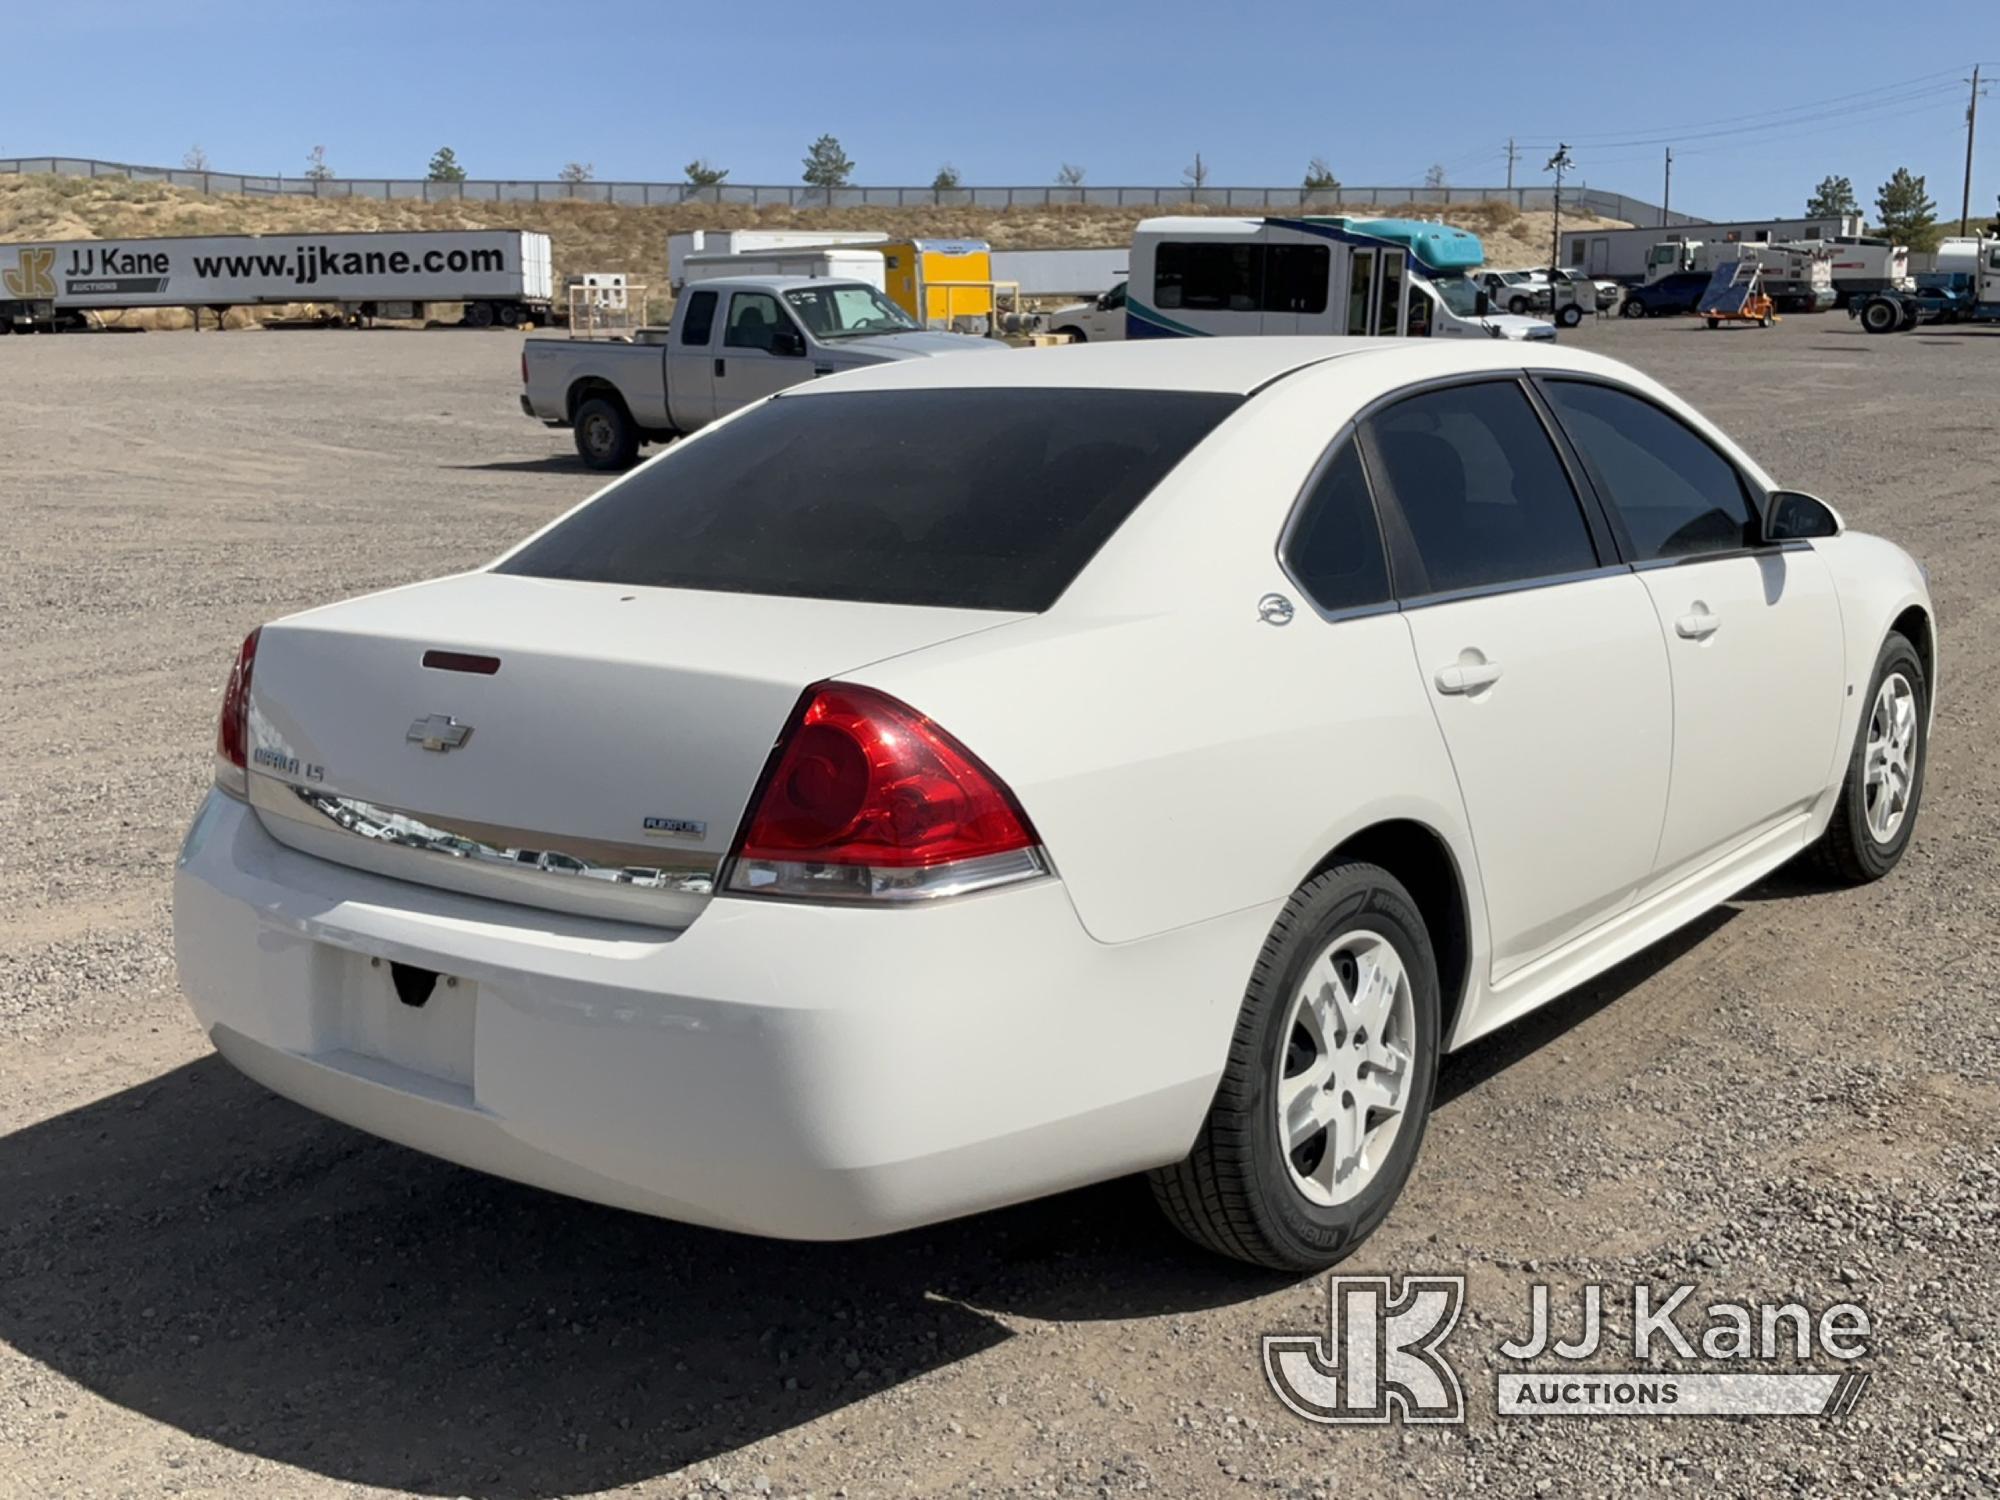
(1237, 366)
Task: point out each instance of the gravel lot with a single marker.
(207, 1291)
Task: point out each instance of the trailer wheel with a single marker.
(1880, 315)
(1911, 314)
(606, 440)
(479, 314)
(510, 314)
(1570, 316)
(1633, 308)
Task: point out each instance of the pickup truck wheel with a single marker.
(1570, 316)
(1076, 335)
(606, 440)
(1881, 316)
(1633, 308)
(1517, 305)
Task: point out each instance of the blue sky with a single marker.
(1129, 91)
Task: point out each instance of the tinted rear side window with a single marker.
(1334, 548)
(700, 318)
(975, 499)
(1676, 495)
(1478, 482)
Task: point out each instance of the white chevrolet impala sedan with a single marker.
(965, 779)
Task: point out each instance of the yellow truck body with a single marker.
(917, 275)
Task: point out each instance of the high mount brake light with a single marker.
(232, 728)
(865, 799)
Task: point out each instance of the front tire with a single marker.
(1517, 306)
(1076, 335)
(1570, 316)
(1881, 316)
(1877, 811)
(1633, 308)
(1323, 1101)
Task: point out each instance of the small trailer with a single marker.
(1899, 309)
(1736, 295)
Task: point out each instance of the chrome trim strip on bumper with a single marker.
(587, 877)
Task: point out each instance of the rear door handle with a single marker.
(1697, 625)
(1468, 677)
(718, 368)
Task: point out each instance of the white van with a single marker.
(1193, 277)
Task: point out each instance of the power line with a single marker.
(1930, 91)
(1664, 130)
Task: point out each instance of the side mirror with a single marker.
(788, 342)
(1793, 515)
(1482, 305)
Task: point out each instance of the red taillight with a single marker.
(868, 799)
(232, 729)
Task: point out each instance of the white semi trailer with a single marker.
(499, 275)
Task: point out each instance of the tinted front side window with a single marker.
(699, 318)
(1675, 494)
(1335, 549)
(977, 499)
(753, 318)
(1479, 483)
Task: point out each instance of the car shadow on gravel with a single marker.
(555, 463)
(206, 1254)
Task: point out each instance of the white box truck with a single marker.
(499, 275)
(749, 241)
(821, 261)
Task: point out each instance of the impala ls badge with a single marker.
(439, 732)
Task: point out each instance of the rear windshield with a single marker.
(971, 498)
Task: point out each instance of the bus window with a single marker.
(1360, 279)
(1418, 324)
(1389, 312)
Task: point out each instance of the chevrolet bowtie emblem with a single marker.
(439, 732)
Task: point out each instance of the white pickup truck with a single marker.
(732, 341)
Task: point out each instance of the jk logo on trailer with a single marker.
(32, 276)
(1379, 1356)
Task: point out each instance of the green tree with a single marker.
(445, 167)
(827, 166)
(946, 180)
(1834, 196)
(1906, 213)
(1320, 178)
(700, 174)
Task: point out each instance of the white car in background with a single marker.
(1156, 767)
(1093, 322)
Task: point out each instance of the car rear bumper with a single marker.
(784, 1069)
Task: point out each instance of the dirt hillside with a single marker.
(608, 237)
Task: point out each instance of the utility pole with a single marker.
(1512, 157)
(1667, 191)
(1971, 121)
(1558, 164)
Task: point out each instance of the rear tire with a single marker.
(606, 440)
(1247, 1191)
(510, 315)
(1570, 316)
(479, 315)
(1880, 315)
(1884, 787)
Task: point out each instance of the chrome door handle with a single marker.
(1697, 626)
(1468, 677)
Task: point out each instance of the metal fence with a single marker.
(641, 194)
